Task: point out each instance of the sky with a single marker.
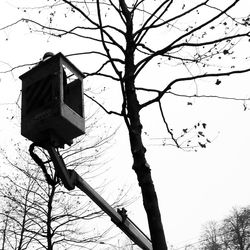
(192, 187)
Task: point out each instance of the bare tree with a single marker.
(236, 229)
(232, 233)
(210, 239)
(16, 211)
(127, 38)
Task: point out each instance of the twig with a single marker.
(100, 105)
(166, 124)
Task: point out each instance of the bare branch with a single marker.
(166, 124)
(118, 11)
(99, 73)
(148, 90)
(92, 29)
(81, 12)
(61, 32)
(191, 78)
(209, 96)
(12, 24)
(140, 65)
(146, 28)
(219, 40)
(100, 105)
(103, 40)
(125, 10)
(136, 5)
(98, 25)
(17, 67)
(140, 34)
(87, 53)
(202, 25)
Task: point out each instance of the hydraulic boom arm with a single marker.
(70, 179)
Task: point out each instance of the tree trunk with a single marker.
(143, 173)
(140, 165)
(5, 230)
(49, 218)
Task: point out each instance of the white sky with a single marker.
(193, 187)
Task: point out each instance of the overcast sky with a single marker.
(193, 187)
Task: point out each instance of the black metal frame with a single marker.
(52, 106)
